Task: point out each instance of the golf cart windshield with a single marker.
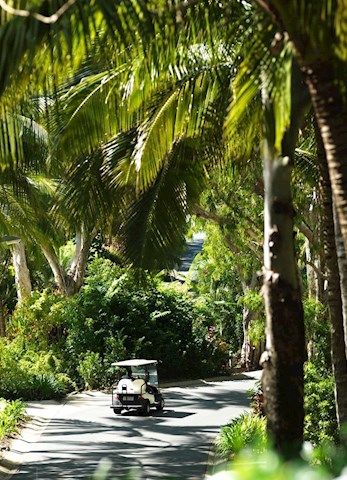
(148, 373)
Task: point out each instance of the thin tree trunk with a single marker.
(78, 247)
(246, 349)
(310, 271)
(338, 350)
(247, 316)
(78, 266)
(283, 360)
(57, 269)
(2, 320)
(21, 272)
(342, 262)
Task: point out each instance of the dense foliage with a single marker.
(117, 125)
(112, 318)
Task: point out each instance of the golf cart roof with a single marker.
(134, 363)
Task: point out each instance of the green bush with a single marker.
(248, 430)
(41, 320)
(112, 318)
(91, 369)
(320, 418)
(117, 318)
(11, 414)
(317, 328)
(268, 465)
(28, 374)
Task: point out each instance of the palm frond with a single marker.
(154, 229)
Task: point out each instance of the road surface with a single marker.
(171, 444)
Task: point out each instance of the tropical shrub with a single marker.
(117, 318)
(320, 419)
(317, 327)
(11, 415)
(52, 338)
(41, 319)
(250, 465)
(91, 369)
(28, 374)
(248, 430)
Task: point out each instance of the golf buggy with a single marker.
(138, 388)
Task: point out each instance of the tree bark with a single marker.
(247, 316)
(338, 350)
(283, 360)
(328, 102)
(331, 114)
(246, 349)
(342, 262)
(22, 276)
(57, 269)
(2, 320)
(76, 274)
(283, 377)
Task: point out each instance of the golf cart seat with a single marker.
(125, 384)
(139, 386)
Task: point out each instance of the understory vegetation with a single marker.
(56, 344)
(12, 414)
(129, 128)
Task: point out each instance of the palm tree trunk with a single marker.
(283, 360)
(342, 261)
(22, 277)
(331, 114)
(283, 377)
(338, 350)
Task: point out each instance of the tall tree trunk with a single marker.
(76, 274)
(338, 350)
(283, 360)
(331, 114)
(247, 316)
(325, 88)
(21, 272)
(57, 269)
(310, 271)
(342, 261)
(246, 349)
(3, 311)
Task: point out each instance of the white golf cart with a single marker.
(137, 389)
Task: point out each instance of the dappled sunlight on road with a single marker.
(171, 444)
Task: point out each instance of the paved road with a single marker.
(193, 247)
(171, 444)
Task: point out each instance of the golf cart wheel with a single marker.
(117, 411)
(146, 409)
(160, 405)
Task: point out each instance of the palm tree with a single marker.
(165, 126)
(321, 52)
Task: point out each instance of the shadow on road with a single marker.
(169, 444)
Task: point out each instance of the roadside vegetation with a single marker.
(12, 415)
(128, 126)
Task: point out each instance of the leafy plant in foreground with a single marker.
(11, 416)
(248, 430)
